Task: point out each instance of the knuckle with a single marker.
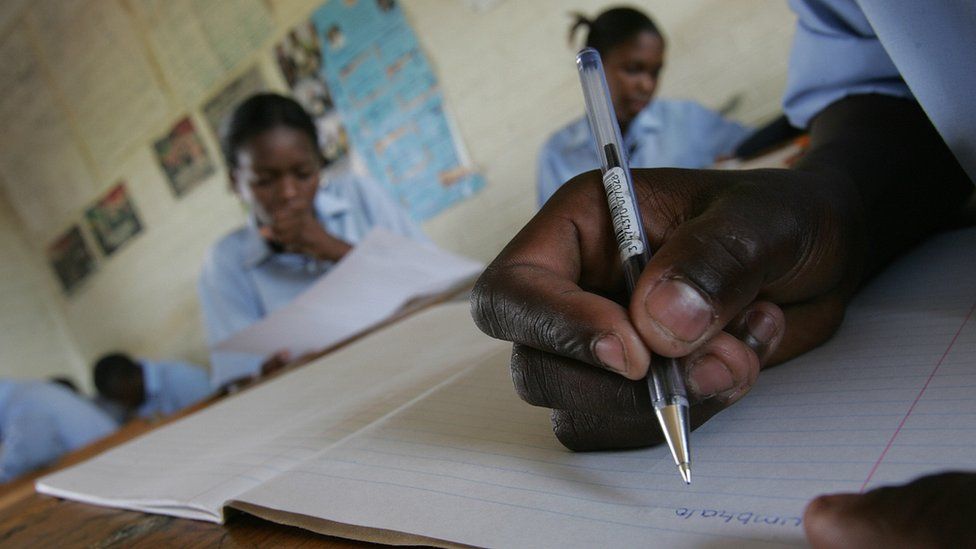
(490, 311)
(537, 378)
(733, 246)
(572, 430)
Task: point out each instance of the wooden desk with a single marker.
(29, 519)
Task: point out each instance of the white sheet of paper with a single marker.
(190, 468)
(377, 278)
(456, 456)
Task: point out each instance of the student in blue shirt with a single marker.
(41, 421)
(656, 132)
(754, 267)
(301, 224)
(148, 388)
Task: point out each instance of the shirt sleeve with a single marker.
(30, 441)
(229, 303)
(722, 134)
(177, 385)
(548, 179)
(835, 54)
(186, 385)
(382, 211)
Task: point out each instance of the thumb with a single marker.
(705, 274)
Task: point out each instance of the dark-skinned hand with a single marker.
(931, 512)
(297, 230)
(750, 268)
(730, 246)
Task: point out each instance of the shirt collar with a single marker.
(326, 204)
(647, 121)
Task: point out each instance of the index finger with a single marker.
(535, 291)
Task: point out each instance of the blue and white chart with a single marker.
(388, 96)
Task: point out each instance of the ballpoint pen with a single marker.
(664, 380)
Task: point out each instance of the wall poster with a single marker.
(71, 259)
(113, 219)
(183, 157)
(393, 109)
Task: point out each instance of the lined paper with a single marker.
(415, 434)
(887, 399)
(190, 468)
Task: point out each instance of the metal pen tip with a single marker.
(674, 424)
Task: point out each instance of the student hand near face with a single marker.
(751, 268)
(932, 511)
(280, 169)
(296, 229)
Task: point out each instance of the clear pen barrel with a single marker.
(666, 385)
(599, 109)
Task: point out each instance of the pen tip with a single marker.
(685, 470)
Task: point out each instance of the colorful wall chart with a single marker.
(393, 109)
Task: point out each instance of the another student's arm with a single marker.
(548, 178)
(737, 253)
(229, 303)
(30, 441)
(932, 511)
(719, 134)
(301, 232)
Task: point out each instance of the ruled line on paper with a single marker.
(547, 511)
(918, 397)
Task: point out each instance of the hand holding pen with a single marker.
(736, 253)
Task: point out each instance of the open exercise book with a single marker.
(414, 435)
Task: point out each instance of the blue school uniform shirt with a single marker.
(243, 280)
(901, 48)
(172, 386)
(666, 133)
(41, 421)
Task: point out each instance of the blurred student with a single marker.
(658, 133)
(147, 388)
(301, 224)
(42, 420)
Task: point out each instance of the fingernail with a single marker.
(679, 309)
(729, 396)
(761, 326)
(609, 350)
(832, 502)
(709, 376)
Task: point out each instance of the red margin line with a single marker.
(894, 435)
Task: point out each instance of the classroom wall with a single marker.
(33, 339)
(509, 80)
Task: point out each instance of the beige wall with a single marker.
(33, 339)
(509, 80)
(510, 77)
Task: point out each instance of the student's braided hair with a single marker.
(613, 27)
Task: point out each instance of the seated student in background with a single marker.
(754, 267)
(658, 133)
(147, 388)
(42, 420)
(301, 224)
